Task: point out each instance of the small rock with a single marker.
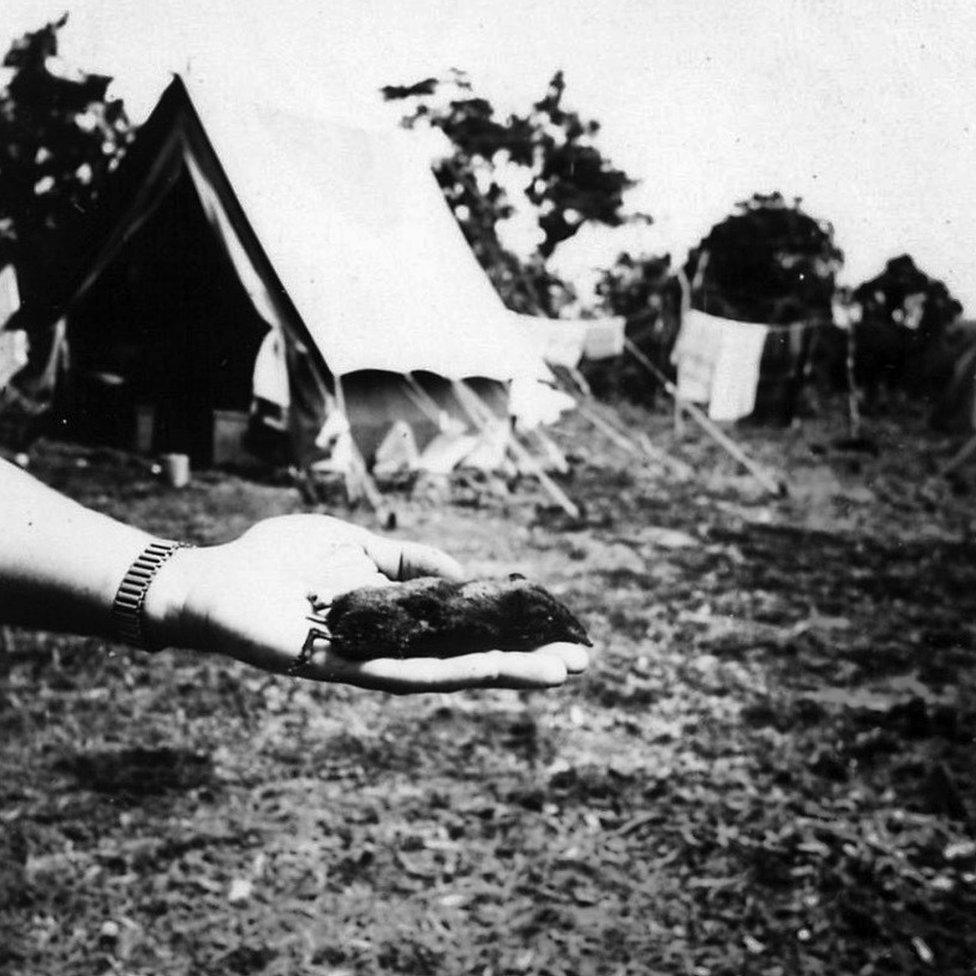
(924, 952)
(240, 891)
(960, 849)
(753, 945)
(664, 538)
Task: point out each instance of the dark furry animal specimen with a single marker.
(431, 617)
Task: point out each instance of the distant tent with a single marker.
(248, 270)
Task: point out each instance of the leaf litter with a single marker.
(767, 770)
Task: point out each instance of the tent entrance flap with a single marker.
(166, 323)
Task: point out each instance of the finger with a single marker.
(574, 656)
(351, 577)
(407, 560)
(488, 669)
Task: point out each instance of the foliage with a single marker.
(573, 182)
(548, 152)
(60, 134)
(902, 295)
(904, 315)
(767, 262)
(645, 291)
(633, 286)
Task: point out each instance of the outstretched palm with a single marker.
(251, 599)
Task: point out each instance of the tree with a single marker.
(638, 286)
(767, 262)
(904, 296)
(646, 292)
(904, 314)
(547, 158)
(60, 135)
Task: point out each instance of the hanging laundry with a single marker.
(718, 363)
(737, 371)
(604, 339)
(695, 354)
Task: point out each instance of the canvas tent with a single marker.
(248, 268)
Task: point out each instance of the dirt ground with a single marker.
(768, 770)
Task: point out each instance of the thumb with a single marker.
(407, 560)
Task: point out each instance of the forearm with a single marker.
(60, 563)
(61, 566)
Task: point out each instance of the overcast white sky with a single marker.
(864, 110)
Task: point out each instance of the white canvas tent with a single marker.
(360, 235)
(231, 229)
(13, 342)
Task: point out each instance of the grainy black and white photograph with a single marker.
(487, 488)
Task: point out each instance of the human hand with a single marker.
(250, 599)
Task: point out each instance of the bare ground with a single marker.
(769, 768)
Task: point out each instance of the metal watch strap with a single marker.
(127, 606)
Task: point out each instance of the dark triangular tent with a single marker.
(248, 268)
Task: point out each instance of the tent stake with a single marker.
(478, 410)
(719, 436)
(642, 444)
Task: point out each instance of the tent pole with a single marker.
(592, 410)
(853, 412)
(678, 467)
(354, 486)
(580, 380)
(422, 407)
(424, 400)
(551, 447)
(428, 404)
(477, 409)
(959, 458)
(606, 428)
(719, 436)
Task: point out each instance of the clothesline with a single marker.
(805, 324)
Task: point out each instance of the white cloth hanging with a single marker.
(718, 363)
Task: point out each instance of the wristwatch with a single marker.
(127, 608)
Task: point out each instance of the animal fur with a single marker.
(432, 617)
